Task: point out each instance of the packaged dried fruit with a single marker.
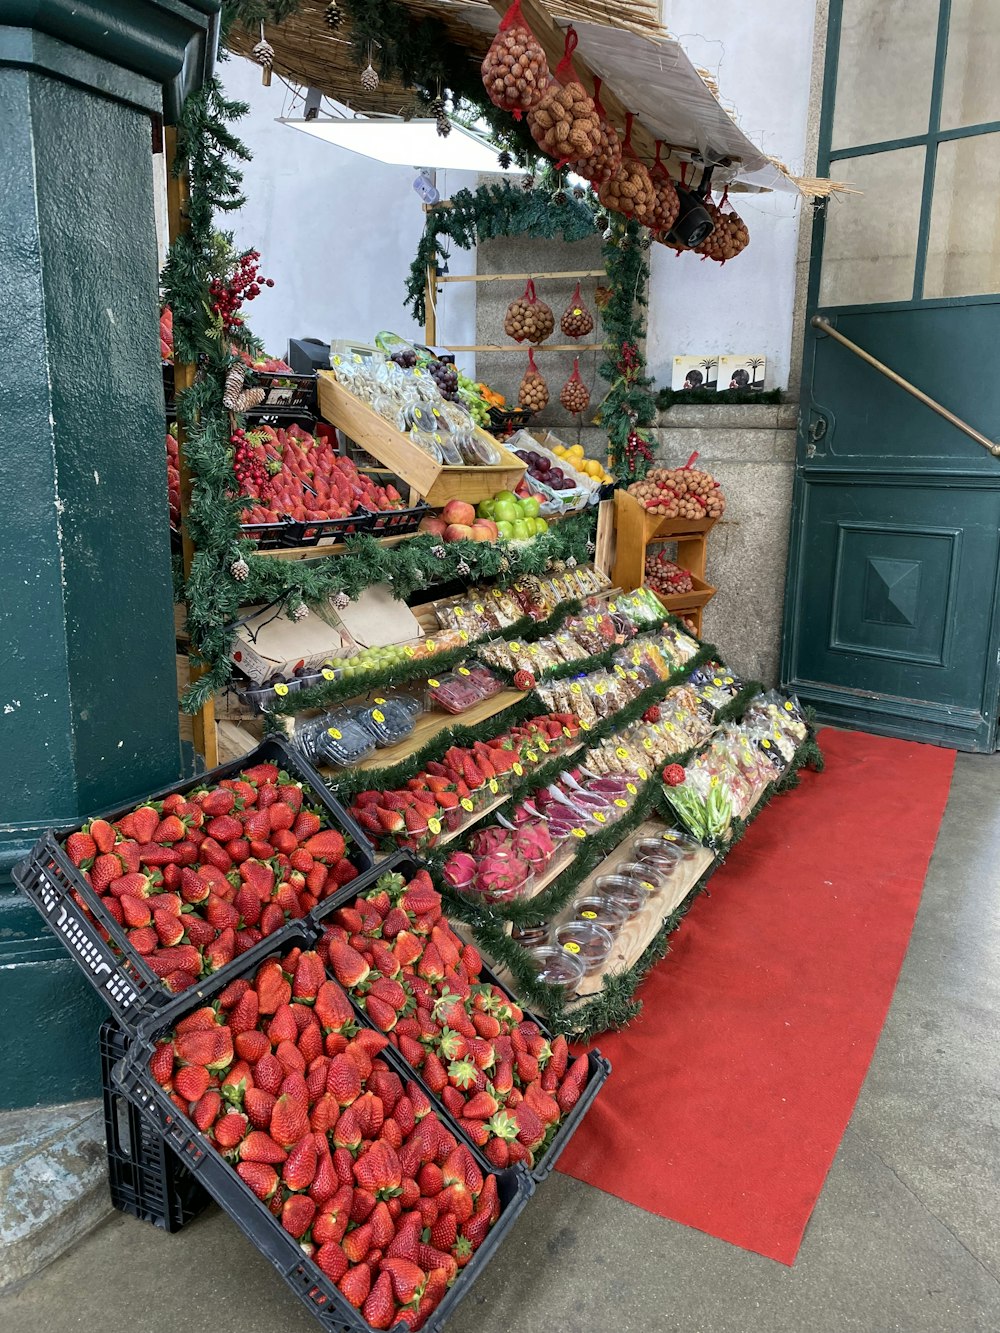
(461, 689)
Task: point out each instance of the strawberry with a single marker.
(356, 1284)
(391, 821)
(332, 1008)
(272, 987)
(559, 1057)
(444, 1232)
(407, 1278)
(191, 1082)
(161, 1063)
(297, 1213)
(256, 825)
(212, 1048)
(289, 1120)
(379, 1170)
(348, 965)
(205, 1112)
(170, 829)
(144, 822)
(530, 1129)
(106, 867)
(381, 1014)
(476, 1229)
(262, 1179)
(230, 1130)
(379, 1308)
(260, 1147)
(261, 773)
(217, 802)
(347, 1133)
(330, 1259)
(343, 1080)
(306, 825)
(299, 1170)
(431, 1259)
(103, 834)
(325, 846)
(80, 847)
(358, 1243)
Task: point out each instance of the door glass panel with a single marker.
(871, 238)
(971, 86)
(963, 250)
(885, 70)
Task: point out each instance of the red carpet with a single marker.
(759, 1027)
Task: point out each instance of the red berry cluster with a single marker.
(636, 447)
(245, 284)
(628, 361)
(249, 467)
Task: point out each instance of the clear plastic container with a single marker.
(342, 742)
(627, 892)
(530, 937)
(389, 720)
(556, 967)
(602, 911)
(516, 878)
(656, 877)
(455, 691)
(657, 851)
(587, 941)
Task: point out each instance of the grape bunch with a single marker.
(445, 376)
(406, 357)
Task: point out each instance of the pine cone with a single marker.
(333, 17)
(369, 79)
(505, 160)
(234, 383)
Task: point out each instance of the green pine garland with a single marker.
(668, 398)
(506, 210)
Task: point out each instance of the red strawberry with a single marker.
(80, 847)
(382, 1015)
(106, 867)
(325, 846)
(379, 1307)
(272, 987)
(289, 1120)
(343, 1080)
(103, 834)
(407, 1278)
(356, 1284)
(348, 965)
(214, 1048)
(144, 822)
(444, 1232)
(330, 1259)
(358, 1243)
(218, 802)
(170, 829)
(206, 1110)
(230, 1130)
(261, 1178)
(260, 1147)
(305, 825)
(299, 1170)
(297, 1214)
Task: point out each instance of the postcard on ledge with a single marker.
(694, 372)
(742, 372)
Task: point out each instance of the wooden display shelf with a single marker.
(334, 548)
(636, 935)
(699, 595)
(475, 819)
(635, 528)
(437, 483)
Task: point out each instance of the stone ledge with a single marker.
(730, 416)
(53, 1184)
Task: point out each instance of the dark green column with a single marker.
(88, 713)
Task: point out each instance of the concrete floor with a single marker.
(905, 1237)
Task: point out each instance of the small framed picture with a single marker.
(694, 372)
(742, 372)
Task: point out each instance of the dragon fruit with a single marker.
(534, 843)
(488, 840)
(502, 875)
(460, 869)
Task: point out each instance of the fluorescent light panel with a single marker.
(414, 143)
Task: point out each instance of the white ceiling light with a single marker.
(413, 143)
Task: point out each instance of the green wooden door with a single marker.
(892, 616)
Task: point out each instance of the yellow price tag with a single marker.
(728, 680)
(579, 833)
(789, 707)
(621, 752)
(430, 645)
(328, 674)
(621, 802)
(281, 689)
(335, 733)
(543, 747)
(409, 650)
(434, 825)
(434, 684)
(572, 947)
(765, 742)
(645, 884)
(716, 680)
(566, 732)
(620, 671)
(494, 786)
(644, 776)
(531, 757)
(599, 817)
(631, 788)
(459, 613)
(584, 726)
(588, 915)
(464, 671)
(598, 689)
(463, 635)
(515, 647)
(379, 701)
(336, 360)
(576, 687)
(378, 715)
(479, 609)
(467, 805)
(647, 743)
(518, 770)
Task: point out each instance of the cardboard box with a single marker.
(376, 619)
(268, 642)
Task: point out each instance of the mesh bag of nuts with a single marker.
(668, 203)
(575, 395)
(680, 492)
(577, 321)
(528, 319)
(515, 71)
(534, 392)
(630, 191)
(730, 237)
(608, 159)
(565, 123)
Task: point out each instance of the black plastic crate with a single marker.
(267, 536)
(310, 1285)
(405, 864)
(327, 530)
(145, 1177)
(398, 522)
(284, 391)
(120, 975)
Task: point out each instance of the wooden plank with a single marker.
(318, 552)
(604, 542)
(523, 277)
(203, 730)
(430, 305)
(699, 595)
(523, 347)
(437, 483)
(630, 543)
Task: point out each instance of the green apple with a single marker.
(541, 525)
(521, 532)
(530, 506)
(505, 529)
(519, 508)
(486, 508)
(505, 511)
(505, 495)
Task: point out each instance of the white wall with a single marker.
(336, 231)
(761, 55)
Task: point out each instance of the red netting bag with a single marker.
(606, 162)
(577, 321)
(565, 123)
(575, 395)
(515, 71)
(529, 319)
(630, 191)
(534, 392)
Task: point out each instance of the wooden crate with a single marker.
(635, 528)
(436, 482)
(700, 595)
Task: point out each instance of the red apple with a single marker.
(480, 532)
(433, 524)
(459, 513)
(458, 532)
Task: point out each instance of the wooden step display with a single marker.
(436, 482)
(636, 530)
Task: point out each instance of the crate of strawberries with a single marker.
(516, 1091)
(150, 899)
(319, 1142)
